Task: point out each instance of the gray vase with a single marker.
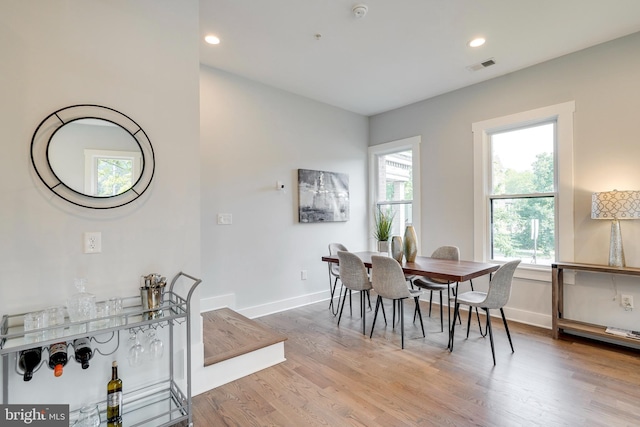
(396, 248)
(410, 244)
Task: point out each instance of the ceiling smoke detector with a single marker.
(360, 10)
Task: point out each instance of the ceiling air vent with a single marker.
(481, 65)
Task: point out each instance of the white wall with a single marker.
(252, 136)
(141, 58)
(603, 81)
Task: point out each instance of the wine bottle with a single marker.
(29, 360)
(57, 357)
(83, 353)
(114, 397)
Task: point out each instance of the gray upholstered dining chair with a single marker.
(354, 277)
(388, 280)
(434, 284)
(334, 271)
(496, 297)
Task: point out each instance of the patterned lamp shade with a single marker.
(615, 205)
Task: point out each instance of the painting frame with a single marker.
(322, 196)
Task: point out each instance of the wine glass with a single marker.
(136, 350)
(155, 345)
(89, 417)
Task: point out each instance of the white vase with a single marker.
(383, 246)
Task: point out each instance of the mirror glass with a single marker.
(95, 157)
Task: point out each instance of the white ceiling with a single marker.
(402, 51)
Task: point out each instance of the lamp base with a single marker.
(616, 251)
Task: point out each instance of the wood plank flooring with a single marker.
(335, 376)
(228, 334)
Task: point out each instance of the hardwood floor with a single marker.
(338, 377)
(233, 335)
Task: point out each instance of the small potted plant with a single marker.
(382, 230)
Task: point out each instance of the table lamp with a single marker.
(615, 205)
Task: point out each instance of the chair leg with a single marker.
(401, 310)
(369, 299)
(340, 296)
(493, 351)
(449, 327)
(333, 292)
(430, 301)
(477, 313)
(420, 313)
(384, 314)
(504, 320)
(441, 316)
(362, 304)
(350, 303)
(469, 321)
(393, 324)
(375, 315)
(453, 327)
(342, 308)
(454, 290)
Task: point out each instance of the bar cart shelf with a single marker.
(156, 405)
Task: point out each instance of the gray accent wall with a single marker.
(253, 136)
(604, 82)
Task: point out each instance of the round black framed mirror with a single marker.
(93, 156)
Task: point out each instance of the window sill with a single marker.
(540, 274)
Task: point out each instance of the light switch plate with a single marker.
(225, 219)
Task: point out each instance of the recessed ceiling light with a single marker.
(211, 39)
(479, 41)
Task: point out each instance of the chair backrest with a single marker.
(353, 273)
(445, 252)
(500, 286)
(388, 278)
(333, 250)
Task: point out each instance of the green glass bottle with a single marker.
(114, 397)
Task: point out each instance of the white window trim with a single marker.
(413, 144)
(563, 115)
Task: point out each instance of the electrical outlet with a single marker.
(92, 242)
(303, 275)
(626, 301)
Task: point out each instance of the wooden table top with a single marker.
(454, 271)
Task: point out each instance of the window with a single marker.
(523, 195)
(109, 173)
(394, 182)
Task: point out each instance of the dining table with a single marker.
(449, 270)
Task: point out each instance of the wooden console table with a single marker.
(559, 323)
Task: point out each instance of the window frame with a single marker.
(413, 144)
(91, 158)
(562, 114)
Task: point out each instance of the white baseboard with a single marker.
(282, 305)
(527, 317)
(521, 316)
(220, 301)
